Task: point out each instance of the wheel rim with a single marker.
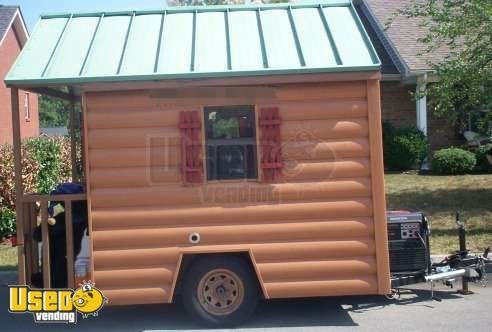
(220, 292)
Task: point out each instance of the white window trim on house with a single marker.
(27, 110)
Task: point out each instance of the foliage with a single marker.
(483, 164)
(46, 152)
(7, 222)
(202, 2)
(226, 128)
(404, 148)
(36, 168)
(7, 183)
(215, 2)
(453, 161)
(53, 112)
(479, 121)
(464, 27)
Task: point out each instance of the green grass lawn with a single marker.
(8, 258)
(439, 197)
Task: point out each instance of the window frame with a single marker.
(246, 141)
(27, 106)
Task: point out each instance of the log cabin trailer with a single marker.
(230, 153)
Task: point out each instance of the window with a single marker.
(27, 112)
(230, 143)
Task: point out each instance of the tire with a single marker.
(220, 291)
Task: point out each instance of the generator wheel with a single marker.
(220, 291)
(394, 295)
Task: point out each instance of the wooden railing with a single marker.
(30, 222)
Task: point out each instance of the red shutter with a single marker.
(271, 151)
(191, 146)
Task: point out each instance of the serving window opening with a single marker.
(230, 139)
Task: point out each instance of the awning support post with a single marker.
(19, 190)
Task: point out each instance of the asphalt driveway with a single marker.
(413, 312)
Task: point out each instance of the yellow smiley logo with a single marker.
(88, 300)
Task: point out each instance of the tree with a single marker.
(216, 2)
(464, 77)
(53, 112)
(202, 2)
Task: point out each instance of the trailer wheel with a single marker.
(220, 291)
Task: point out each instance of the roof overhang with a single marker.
(76, 90)
(173, 77)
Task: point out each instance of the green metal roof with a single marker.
(192, 42)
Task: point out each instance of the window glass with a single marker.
(231, 142)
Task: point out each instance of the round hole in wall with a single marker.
(194, 238)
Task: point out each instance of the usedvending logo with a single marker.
(57, 305)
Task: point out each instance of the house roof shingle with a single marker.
(6, 15)
(388, 66)
(404, 34)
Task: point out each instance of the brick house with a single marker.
(13, 36)
(404, 70)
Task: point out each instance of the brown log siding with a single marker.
(311, 234)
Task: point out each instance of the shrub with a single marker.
(483, 164)
(7, 223)
(47, 154)
(38, 167)
(7, 182)
(404, 148)
(453, 161)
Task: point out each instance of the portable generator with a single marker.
(409, 253)
(408, 237)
